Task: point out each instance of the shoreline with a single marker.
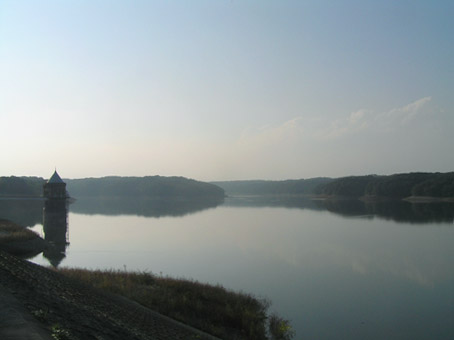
(428, 199)
(411, 199)
(72, 310)
(81, 304)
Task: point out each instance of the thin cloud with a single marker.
(366, 120)
(403, 115)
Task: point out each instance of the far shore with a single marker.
(428, 199)
(411, 199)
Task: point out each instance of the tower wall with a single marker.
(55, 190)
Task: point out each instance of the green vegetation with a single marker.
(149, 186)
(257, 187)
(397, 186)
(280, 329)
(21, 186)
(213, 309)
(353, 186)
(158, 187)
(439, 185)
(393, 186)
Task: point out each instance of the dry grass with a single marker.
(213, 309)
(11, 232)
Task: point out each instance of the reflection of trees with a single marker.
(142, 206)
(25, 212)
(55, 227)
(396, 210)
(346, 207)
(301, 202)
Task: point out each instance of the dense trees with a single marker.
(393, 186)
(353, 186)
(398, 186)
(21, 186)
(150, 186)
(257, 187)
(438, 185)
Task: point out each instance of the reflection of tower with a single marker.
(55, 217)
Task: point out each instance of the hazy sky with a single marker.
(218, 90)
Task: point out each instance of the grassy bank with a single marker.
(11, 232)
(18, 240)
(213, 309)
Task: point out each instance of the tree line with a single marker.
(21, 186)
(393, 186)
(265, 188)
(149, 186)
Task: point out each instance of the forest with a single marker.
(149, 186)
(263, 188)
(21, 186)
(404, 185)
(392, 186)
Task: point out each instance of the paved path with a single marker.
(29, 292)
(16, 323)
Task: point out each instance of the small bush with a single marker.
(280, 329)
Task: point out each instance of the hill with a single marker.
(262, 188)
(439, 185)
(149, 186)
(21, 186)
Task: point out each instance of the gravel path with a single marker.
(72, 310)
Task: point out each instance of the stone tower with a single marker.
(55, 188)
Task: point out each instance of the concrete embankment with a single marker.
(38, 303)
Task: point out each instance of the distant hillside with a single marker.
(392, 186)
(21, 186)
(439, 185)
(150, 186)
(25, 212)
(259, 187)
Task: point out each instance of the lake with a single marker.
(335, 269)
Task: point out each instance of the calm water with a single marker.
(337, 270)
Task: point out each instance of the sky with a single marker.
(226, 89)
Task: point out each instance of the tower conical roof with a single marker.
(55, 178)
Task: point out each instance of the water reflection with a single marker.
(55, 229)
(141, 206)
(396, 210)
(300, 202)
(28, 213)
(333, 277)
(359, 277)
(52, 215)
(24, 212)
